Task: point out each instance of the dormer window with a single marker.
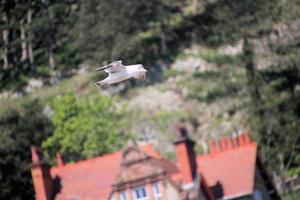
(122, 195)
(140, 193)
(156, 191)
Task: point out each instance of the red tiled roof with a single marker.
(90, 179)
(230, 172)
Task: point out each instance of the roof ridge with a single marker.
(225, 151)
(93, 159)
(89, 160)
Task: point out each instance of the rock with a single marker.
(193, 64)
(83, 68)
(48, 111)
(34, 84)
(153, 99)
(232, 50)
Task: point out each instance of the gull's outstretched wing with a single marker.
(112, 67)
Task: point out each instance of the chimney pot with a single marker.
(247, 138)
(59, 160)
(241, 140)
(36, 154)
(229, 143)
(223, 144)
(214, 146)
(181, 131)
(234, 141)
(244, 139)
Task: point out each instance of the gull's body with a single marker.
(118, 72)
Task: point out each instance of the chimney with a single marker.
(59, 160)
(186, 158)
(40, 170)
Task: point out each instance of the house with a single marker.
(231, 170)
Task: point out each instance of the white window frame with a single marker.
(156, 191)
(135, 194)
(122, 195)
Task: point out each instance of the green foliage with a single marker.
(103, 35)
(291, 196)
(163, 120)
(45, 26)
(214, 85)
(213, 56)
(226, 21)
(167, 73)
(274, 108)
(219, 59)
(19, 130)
(86, 127)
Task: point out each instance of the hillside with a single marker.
(219, 66)
(209, 98)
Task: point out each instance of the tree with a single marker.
(227, 21)
(86, 127)
(35, 37)
(274, 107)
(112, 30)
(20, 128)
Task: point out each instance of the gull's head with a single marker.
(116, 62)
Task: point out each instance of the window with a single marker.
(140, 193)
(258, 194)
(156, 191)
(122, 195)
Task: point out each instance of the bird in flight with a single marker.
(118, 72)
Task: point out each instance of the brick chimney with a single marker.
(42, 181)
(186, 158)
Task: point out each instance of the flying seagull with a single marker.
(118, 72)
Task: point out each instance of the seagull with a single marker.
(118, 72)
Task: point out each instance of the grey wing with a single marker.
(102, 68)
(113, 67)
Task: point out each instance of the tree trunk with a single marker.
(163, 38)
(50, 38)
(5, 37)
(51, 58)
(23, 44)
(29, 45)
(195, 4)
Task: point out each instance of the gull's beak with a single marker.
(101, 68)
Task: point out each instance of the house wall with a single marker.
(171, 191)
(167, 189)
(202, 195)
(244, 198)
(260, 185)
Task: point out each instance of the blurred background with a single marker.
(218, 66)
